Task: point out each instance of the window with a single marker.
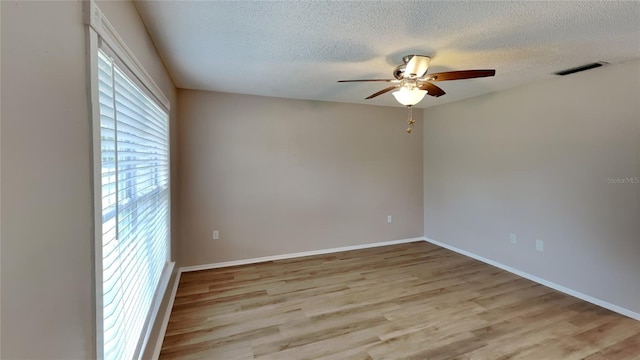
(135, 206)
(131, 194)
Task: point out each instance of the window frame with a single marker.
(100, 30)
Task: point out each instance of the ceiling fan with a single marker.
(413, 83)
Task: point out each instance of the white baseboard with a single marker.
(296, 255)
(167, 315)
(563, 289)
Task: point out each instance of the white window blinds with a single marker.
(134, 139)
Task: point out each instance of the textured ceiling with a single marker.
(300, 49)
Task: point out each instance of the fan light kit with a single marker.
(409, 97)
(412, 82)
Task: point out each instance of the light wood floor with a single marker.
(409, 301)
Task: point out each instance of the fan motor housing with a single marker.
(399, 71)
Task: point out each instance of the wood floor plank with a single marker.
(407, 301)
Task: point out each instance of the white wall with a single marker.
(46, 203)
(535, 161)
(47, 298)
(278, 176)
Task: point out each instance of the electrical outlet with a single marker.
(216, 235)
(513, 239)
(539, 245)
(389, 219)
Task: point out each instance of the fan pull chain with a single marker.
(410, 122)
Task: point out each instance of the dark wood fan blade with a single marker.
(380, 92)
(368, 80)
(459, 75)
(432, 89)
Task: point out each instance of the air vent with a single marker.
(581, 68)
